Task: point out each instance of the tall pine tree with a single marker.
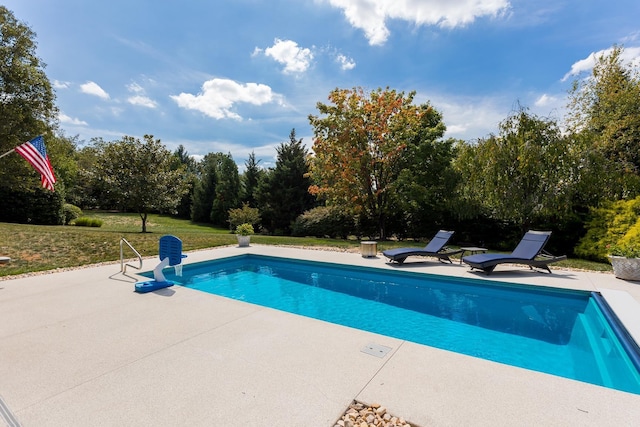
(284, 193)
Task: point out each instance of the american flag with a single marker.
(34, 152)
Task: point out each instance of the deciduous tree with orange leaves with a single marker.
(363, 143)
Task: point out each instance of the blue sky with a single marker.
(235, 76)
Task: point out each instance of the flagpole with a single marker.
(8, 152)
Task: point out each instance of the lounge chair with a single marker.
(435, 248)
(530, 251)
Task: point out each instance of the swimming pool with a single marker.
(560, 332)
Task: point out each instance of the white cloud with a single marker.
(552, 107)
(630, 55)
(371, 15)
(468, 118)
(140, 97)
(142, 101)
(219, 96)
(92, 88)
(71, 121)
(345, 63)
(287, 52)
(545, 100)
(583, 65)
(57, 84)
(631, 38)
(135, 88)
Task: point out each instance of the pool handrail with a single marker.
(123, 265)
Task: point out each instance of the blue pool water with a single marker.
(559, 332)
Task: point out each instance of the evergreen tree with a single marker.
(204, 191)
(284, 193)
(227, 190)
(181, 158)
(217, 189)
(252, 176)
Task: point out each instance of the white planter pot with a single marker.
(243, 241)
(625, 268)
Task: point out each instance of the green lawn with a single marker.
(36, 248)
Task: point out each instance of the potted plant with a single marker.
(625, 260)
(244, 232)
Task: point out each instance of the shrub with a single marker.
(244, 229)
(32, 206)
(624, 250)
(71, 212)
(243, 215)
(88, 222)
(324, 221)
(614, 225)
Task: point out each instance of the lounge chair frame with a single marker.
(530, 251)
(435, 248)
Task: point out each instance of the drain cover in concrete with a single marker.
(376, 350)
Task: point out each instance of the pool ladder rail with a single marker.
(123, 265)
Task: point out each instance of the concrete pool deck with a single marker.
(80, 348)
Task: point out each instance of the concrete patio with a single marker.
(80, 348)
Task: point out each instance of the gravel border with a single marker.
(374, 415)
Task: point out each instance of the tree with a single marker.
(424, 190)
(26, 98)
(244, 215)
(227, 194)
(63, 152)
(217, 189)
(283, 194)
(86, 193)
(27, 109)
(138, 175)
(362, 145)
(204, 191)
(251, 178)
(181, 158)
(604, 109)
(524, 174)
